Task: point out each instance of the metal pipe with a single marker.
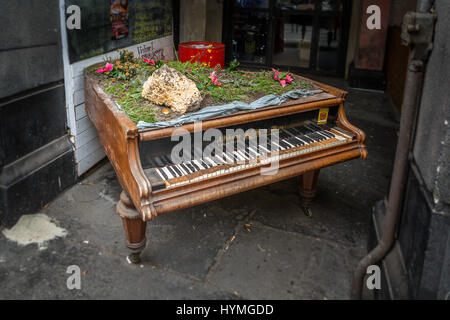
(424, 6)
(413, 86)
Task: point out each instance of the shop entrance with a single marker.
(296, 34)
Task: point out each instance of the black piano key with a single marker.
(306, 138)
(324, 134)
(175, 173)
(196, 168)
(164, 160)
(287, 144)
(328, 133)
(152, 163)
(160, 171)
(322, 137)
(272, 147)
(302, 130)
(211, 161)
(244, 150)
(186, 168)
(155, 180)
(200, 164)
(294, 141)
(312, 137)
(251, 152)
(181, 170)
(168, 159)
(204, 163)
(283, 144)
(158, 161)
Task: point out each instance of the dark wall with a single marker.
(425, 227)
(36, 157)
(30, 50)
(431, 150)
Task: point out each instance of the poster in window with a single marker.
(119, 19)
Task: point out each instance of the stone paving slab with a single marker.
(268, 263)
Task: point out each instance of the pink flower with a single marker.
(283, 83)
(152, 62)
(108, 67)
(289, 79)
(277, 74)
(214, 79)
(188, 68)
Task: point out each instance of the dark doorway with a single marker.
(297, 34)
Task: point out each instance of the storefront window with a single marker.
(250, 29)
(304, 34)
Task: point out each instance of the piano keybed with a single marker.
(293, 141)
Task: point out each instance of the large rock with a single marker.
(168, 87)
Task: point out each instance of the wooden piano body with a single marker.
(129, 150)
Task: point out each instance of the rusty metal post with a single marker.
(418, 29)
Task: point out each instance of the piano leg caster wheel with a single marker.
(308, 189)
(307, 211)
(134, 228)
(134, 258)
(135, 251)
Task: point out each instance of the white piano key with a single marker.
(181, 169)
(167, 172)
(159, 173)
(199, 164)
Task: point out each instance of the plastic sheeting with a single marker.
(227, 109)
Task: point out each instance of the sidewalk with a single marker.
(205, 252)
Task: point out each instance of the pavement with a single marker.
(254, 245)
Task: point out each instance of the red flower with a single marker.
(152, 62)
(284, 79)
(289, 79)
(276, 75)
(214, 79)
(108, 67)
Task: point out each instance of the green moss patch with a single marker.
(125, 78)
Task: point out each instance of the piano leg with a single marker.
(134, 227)
(308, 189)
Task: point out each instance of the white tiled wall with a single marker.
(88, 149)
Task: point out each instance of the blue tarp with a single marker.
(227, 109)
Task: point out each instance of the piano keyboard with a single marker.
(292, 142)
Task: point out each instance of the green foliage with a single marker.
(129, 74)
(233, 65)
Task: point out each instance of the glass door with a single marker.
(250, 30)
(293, 34)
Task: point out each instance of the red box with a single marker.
(207, 53)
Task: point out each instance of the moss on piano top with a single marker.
(124, 77)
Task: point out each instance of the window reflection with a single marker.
(253, 3)
(329, 39)
(250, 29)
(300, 5)
(294, 31)
(332, 5)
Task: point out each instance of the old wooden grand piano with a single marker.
(313, 133)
